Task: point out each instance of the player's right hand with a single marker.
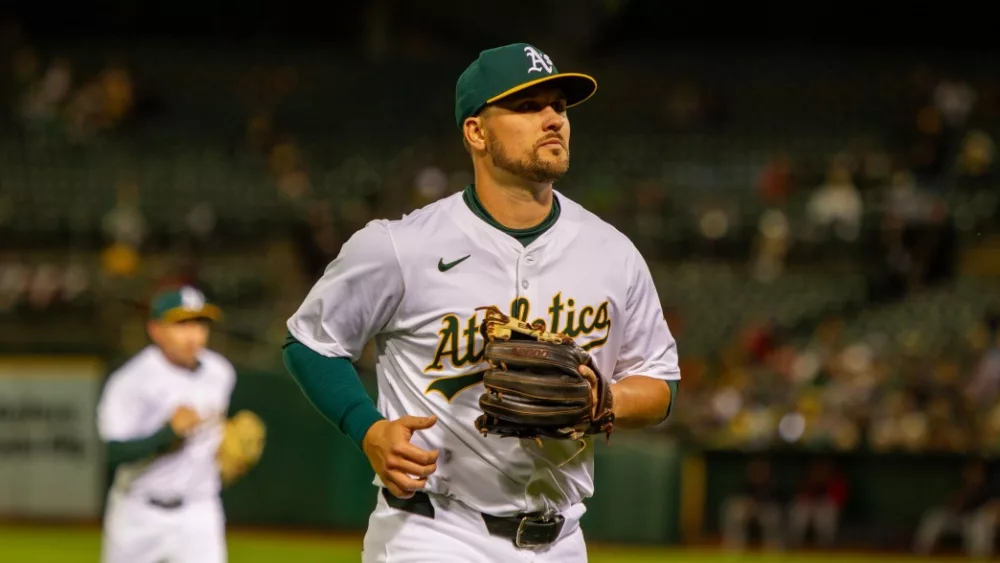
(184, 420)
(402, 467)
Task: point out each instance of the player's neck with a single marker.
(186, 364)
(191, 366)
(515, 205)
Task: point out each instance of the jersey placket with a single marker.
(528, 268)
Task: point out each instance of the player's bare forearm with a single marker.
(640, 401)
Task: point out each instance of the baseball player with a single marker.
(161, 415)
(419, 286)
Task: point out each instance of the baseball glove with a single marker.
(534, 387)
(242, 445)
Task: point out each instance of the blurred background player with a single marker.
(818, 505)
(161, 417)
(757, 503)
(970, 511)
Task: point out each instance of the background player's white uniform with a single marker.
(142, 523)
(392, 282)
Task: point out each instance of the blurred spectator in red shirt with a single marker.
(775, 180)
(758, 341)
(818, 503)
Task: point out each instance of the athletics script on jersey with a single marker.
(460, 344)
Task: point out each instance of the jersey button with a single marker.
(524, 284)
(529, 260)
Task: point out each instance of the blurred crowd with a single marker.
(888, 212)
(54, 99)
(843, 394)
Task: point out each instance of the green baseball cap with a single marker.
(502, 71)
(182, 304)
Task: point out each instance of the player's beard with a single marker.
(533, 168)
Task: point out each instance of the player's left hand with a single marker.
(184, 420)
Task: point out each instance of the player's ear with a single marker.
(474, 134)
(153, 330)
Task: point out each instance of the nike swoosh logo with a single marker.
(442, 267)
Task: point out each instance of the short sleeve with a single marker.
(121, 410)
(229, 383)
(354, 299)
(648, 346)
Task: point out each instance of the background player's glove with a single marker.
(242, 445)
(534, 387)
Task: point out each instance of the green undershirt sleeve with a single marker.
(673, 385)
(333, 387)
(127, 451)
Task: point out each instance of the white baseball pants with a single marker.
(138, 532)
(456, 534)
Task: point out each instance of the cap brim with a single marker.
(578, 88)
(209, 312)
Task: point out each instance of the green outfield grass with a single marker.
(19, 544)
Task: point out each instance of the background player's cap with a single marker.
(182, 304)
(502, 71)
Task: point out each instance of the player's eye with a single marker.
(529, 106)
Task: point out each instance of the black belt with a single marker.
(532, 529)
(172, 504)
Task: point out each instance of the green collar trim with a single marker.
(472, 201)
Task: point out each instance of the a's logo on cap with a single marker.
(192, 299)
(540, 62)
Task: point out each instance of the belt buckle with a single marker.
(545, 517)
(168, 504)
(520, 530)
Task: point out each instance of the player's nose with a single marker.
(552, 120)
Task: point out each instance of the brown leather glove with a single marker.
(534, 387)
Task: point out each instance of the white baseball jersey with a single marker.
(414, 285)
(140, 397)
